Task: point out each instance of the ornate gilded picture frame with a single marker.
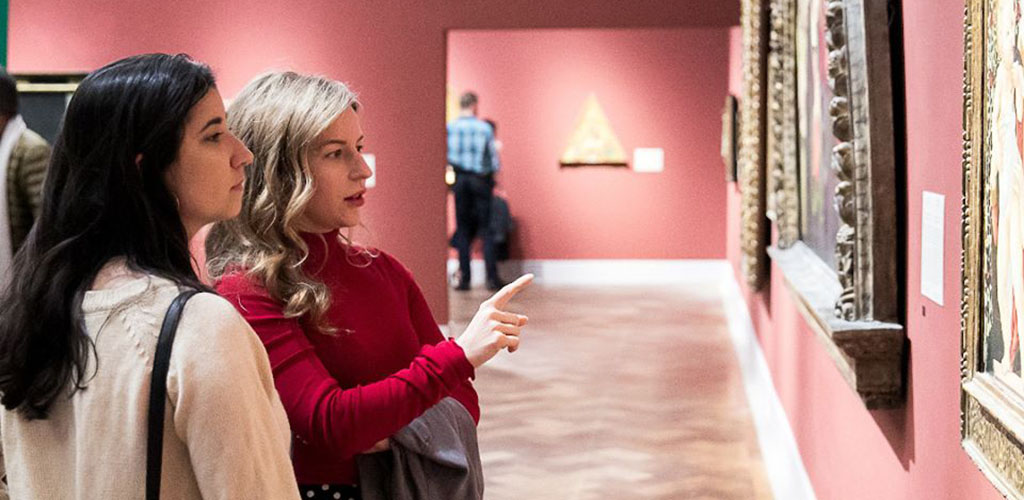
(831, 145)
(782, 116)
(751, 168)
(992, 388)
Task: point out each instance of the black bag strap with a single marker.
(158, 394)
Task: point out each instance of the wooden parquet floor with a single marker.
(616, 393)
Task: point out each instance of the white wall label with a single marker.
(649, 160)
(933, 206)
(371, 161)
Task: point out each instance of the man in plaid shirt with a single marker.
(473, 155)
(24, 157)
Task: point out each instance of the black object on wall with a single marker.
(43, 100)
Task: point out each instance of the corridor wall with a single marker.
(391, 51)
(913, 452)
(658, 87)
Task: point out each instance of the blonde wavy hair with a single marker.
(278, 115)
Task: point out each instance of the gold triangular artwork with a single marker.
(593, 142)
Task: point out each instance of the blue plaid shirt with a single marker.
(471, 145)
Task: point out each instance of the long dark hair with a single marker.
(98, 203)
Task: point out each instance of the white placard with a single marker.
(648, 160)
(933, 206)
(371, 161)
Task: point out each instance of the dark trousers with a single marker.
(473, 193)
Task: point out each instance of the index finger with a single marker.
(510, 290)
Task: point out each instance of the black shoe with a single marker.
(462, 286)
(495, 285)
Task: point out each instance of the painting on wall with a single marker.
(783, 143)
(43, 100)
(819, 221)
(728, 149)
(451, 104)
(832, 169)
(593, 141)
(1004, 178)
(751, 168)
(992, 389)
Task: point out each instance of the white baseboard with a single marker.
(779, 452)
(600, 271)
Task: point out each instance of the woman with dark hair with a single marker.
(143, 160)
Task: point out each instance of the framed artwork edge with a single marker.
(754, 228)
(600, 164)
(729, 144)
(854, 307)
(991, 420)
(47, 82)
(870, 355)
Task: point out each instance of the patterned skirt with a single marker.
(329, 492)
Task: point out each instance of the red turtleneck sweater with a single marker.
(387, 364)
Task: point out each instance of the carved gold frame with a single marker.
(754, 225)
(854, 308)
(783, 199)
(991, 417)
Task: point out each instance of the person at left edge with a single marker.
(24, 156)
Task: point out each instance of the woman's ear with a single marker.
(138, 160)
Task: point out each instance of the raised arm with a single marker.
(429, 334)
(322, 412)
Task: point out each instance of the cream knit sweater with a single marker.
(225, 432)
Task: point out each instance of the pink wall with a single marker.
(912, 452)
(391, 51)
(659, 88)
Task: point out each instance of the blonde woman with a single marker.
(355, 352)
